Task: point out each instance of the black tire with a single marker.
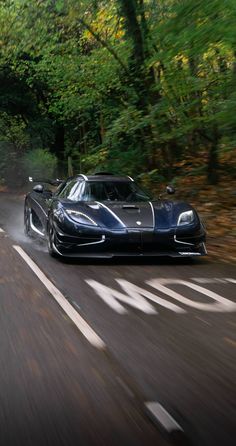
(52, 240)
(27, 228)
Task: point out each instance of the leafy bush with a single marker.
(39, 163)
(13, 143)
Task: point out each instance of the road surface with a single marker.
(113, 352)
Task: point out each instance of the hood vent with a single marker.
(130, 206)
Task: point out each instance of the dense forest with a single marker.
(142, 87)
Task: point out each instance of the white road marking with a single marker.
(1, 230)
(135, 297)
(163, 418)
(202, 280)
(210, 280)
(231, 280)
(220, 305)
(80, 323)
(220, 280)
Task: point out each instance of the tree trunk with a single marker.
(59, 142)
(58, 149)
(102, 128)
(213, 160)
(142, 78)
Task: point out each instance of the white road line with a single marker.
(132, 295)
(1, 230)
(221, 304)
(202, 280)
(231, 280)
(80, 323)
(205, 280)
(159, 414)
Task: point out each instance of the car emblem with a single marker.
(138, 222)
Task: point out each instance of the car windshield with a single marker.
(112, 190)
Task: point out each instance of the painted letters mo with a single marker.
(140, 298)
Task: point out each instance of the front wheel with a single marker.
(52, 243)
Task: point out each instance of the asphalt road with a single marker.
(168, 336)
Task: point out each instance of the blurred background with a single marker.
(139, 87)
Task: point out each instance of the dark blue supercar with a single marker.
(104, 215)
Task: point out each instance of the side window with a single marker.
(66, 190)
(60, 188)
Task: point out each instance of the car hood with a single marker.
(118, 215)
(130, 215)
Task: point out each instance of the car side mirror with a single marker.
(170, 190)
(38, 188)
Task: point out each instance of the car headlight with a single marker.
(81, 218)
(185, 218)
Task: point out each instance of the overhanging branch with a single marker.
(105, 45)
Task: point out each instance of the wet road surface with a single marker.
(168, 334)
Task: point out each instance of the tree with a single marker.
(133, 85)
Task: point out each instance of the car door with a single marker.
(39, 203)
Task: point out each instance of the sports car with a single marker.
(105, 215)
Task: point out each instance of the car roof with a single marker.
(104, 177)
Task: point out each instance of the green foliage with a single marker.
(38, 163)
(13, 143)
(133, 86)
(13, 130)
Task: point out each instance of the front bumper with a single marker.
(102, 243)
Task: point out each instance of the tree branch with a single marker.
(105, 45)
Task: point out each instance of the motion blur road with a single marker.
(165, 331)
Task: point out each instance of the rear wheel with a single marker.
(27, 226)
